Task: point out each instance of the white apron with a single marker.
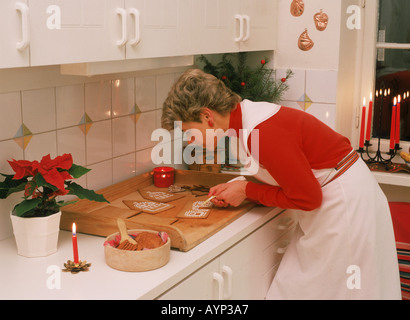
(345, 249)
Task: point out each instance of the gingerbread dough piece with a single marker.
(152, 207)
(194, 210)
(160, 196)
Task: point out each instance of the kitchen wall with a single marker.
(313, 87)
(105, 122)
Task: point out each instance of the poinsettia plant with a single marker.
(42, 182)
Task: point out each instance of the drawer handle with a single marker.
(121, 12)
(228, 271)
(23, 9)
(282, 250)
(216, 276)
(286, 223)
(137, 38)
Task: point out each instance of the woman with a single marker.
(343, 246)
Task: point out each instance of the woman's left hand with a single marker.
(231, 193)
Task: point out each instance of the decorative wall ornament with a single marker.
(297, 7)
(304, 41)
(321, 20)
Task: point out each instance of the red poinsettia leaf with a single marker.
(63, 162)
(22, 168)
(53, 177)
(65, 175)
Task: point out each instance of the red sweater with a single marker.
(291, 144)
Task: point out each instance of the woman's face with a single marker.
(206, 133)
(196, 133)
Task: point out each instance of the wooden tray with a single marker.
(98, 218)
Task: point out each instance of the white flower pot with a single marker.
(36, 237)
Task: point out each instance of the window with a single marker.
(392, 74)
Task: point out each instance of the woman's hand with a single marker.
(231, 193)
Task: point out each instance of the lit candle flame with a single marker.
(74, 228)
(399, 99)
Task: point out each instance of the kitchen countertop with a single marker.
(36, 278)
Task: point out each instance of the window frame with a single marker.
(369, 48)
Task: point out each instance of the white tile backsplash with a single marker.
(145, 93)
(72, 140)
(324, 112)
(164, 84)
(123, 167)
(10, 115)
(123, 97)
(98, 100)
(41, 145)
(313, 91)
(321, 85)
(146, 124)
(69, 105)
(123, 135)
(39, 111)
(99, 142)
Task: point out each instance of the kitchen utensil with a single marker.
(240, 178)
(126, 242)
(203, 205)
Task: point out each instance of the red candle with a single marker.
(393, 125)
(164, 176)
(398, 121)
(369, 118)
(361, 141)
(75, 246)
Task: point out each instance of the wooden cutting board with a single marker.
(100, 218)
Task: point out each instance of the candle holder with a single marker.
(378, 156)
(164, 177)
(74, 268)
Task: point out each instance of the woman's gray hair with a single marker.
(193, 91)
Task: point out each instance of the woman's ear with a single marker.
(208, 116)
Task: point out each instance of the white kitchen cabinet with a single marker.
(260, 18)
(245, 271)
(49, 32)
(233, 25)
(89, 30)
(14, 37)
(107, 30)
(158, 28)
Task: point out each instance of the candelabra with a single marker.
(379, 157)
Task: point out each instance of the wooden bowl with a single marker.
(142, 260)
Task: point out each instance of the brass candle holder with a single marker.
(74, 268)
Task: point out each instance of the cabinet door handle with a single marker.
(216, 276)
(121, 12)
(286, 223)
(248, 27)
(239, 18)
(137, 38)
(25, 41)
(228, 271)
(282, 250)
